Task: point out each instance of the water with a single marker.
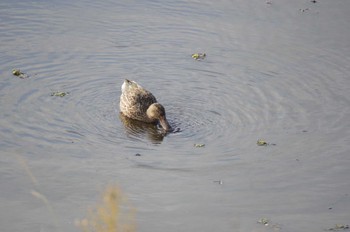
(276, 71)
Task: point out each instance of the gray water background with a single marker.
(275, 70)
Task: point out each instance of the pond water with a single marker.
(274, 70)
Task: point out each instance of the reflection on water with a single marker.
(137, 129)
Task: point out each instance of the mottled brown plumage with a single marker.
(140, 104)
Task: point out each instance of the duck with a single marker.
(138, 103)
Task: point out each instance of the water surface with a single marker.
(275, 70)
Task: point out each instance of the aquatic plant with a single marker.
(59, 94)
(19, 73)
(199, 145)
(113, 214)
(199, 56)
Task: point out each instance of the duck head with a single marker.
(156, 112)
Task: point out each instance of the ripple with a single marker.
(260, 93)
(237, 90)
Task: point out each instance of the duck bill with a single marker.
(164, 123)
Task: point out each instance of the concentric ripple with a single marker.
(235, 91)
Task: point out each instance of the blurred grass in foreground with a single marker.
(113, 214)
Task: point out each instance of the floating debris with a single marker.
(19, 73)
(268, 223)
(261, 142)
(313, 1)
(199, 145)
(268, 2)
(59, 94)
(303, 10)
(137, 154)
(199, 56)
(218, 181)
(264, 221)
(338, 227)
